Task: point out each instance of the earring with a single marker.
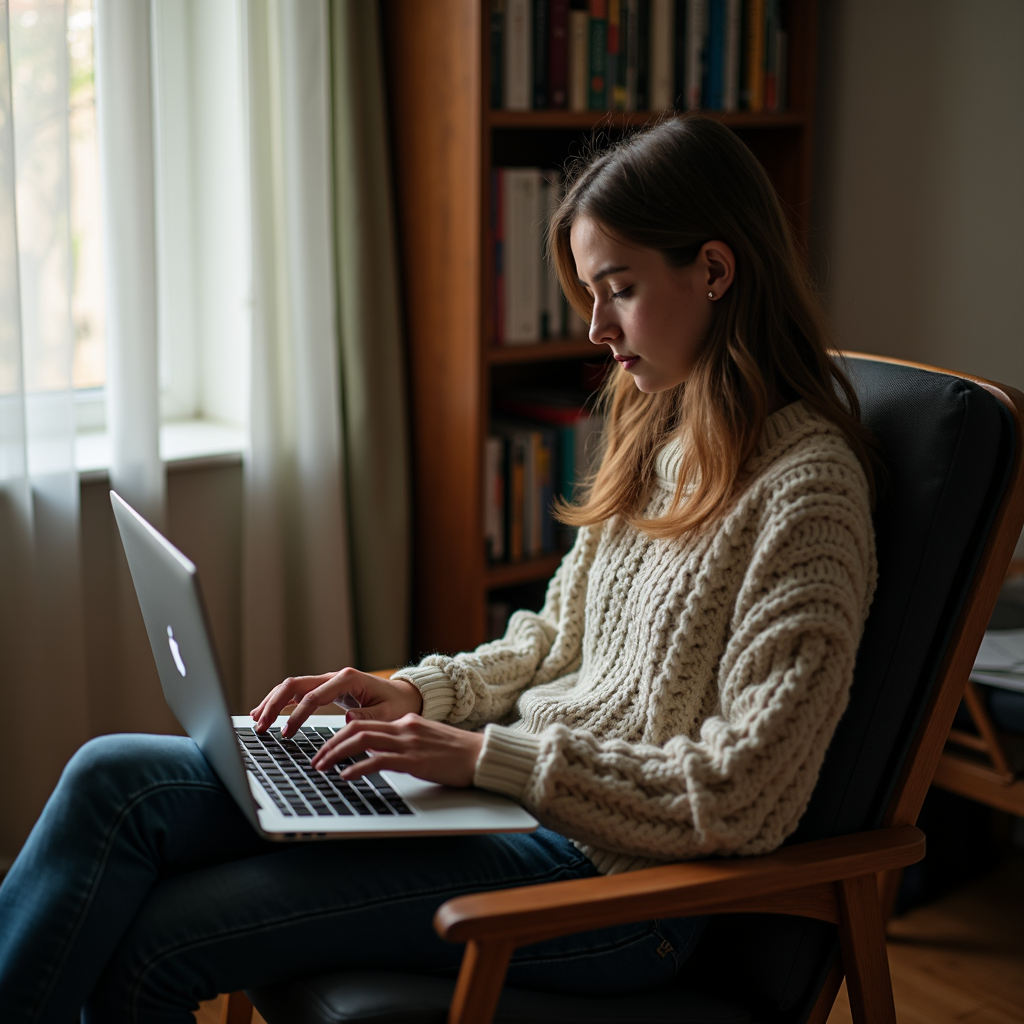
(711, 296)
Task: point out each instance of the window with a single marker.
(202, 229)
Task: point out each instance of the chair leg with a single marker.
(480, 980)
(237, 1009)
(862, 938)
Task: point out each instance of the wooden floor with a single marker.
(958, 961)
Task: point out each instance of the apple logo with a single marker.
(175, 653)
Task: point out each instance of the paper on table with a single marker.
(1002, 651)
(1000, 660)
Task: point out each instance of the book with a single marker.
(628, 46)
(731, 57)
(540, 54)
(518, 59)
(553, 306)
(558, 54)
(753, 69)
(643, 55)
(494, 498)
(521, 226)
(598, 53)
(662, 36)
(714, 56)
(696, 28)
(612, 56)
(497, 54)
(579, 58)
(679, 56)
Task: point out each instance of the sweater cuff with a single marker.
(435, 688)
(507, 760)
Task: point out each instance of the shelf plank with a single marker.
(619, 119)
(545, 351)
(509, 574)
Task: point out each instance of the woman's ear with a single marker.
(719, 267)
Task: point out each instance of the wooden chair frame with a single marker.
(846, 880)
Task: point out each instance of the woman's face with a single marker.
(653, 316)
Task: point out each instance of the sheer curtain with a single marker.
(42, 660)
(297, 613)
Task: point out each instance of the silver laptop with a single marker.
(270, 776)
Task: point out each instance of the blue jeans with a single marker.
(143, 890)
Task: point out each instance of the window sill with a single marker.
(185, 443)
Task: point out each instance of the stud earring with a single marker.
(711, 296)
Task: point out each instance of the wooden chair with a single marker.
(789, 925)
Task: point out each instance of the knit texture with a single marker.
(674, 698)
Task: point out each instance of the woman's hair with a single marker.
(674, 187)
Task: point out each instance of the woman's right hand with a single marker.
(383, 700)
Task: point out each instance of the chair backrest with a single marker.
(948, 514)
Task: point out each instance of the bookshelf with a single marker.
(445, 141)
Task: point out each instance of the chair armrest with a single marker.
(533, 913)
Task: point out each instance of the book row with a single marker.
(638, 55)
(542, 451)
(527, 304)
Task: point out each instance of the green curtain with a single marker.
(372, 366)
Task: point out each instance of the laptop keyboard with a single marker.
(283, 767)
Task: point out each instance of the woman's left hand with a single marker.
(429, 750)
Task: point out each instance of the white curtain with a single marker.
(124, 122)
(42, 659)
(297, 616)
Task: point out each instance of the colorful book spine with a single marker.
(754, 61)
(518, 60)
(553, 310)
(540, 54)
(521, 254)
(662, 36)
(714, 63)
(612, 56)
(497, 54)
(598, 10)
(579, 57)
(558, 54)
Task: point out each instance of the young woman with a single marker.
(673, 698)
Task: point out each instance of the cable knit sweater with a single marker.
(674, 698)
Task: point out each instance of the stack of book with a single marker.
(543, 447)
(527, 304)
(638, 55)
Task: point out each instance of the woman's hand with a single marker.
(429, 750)
(383, 699)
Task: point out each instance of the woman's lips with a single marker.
(627, 361)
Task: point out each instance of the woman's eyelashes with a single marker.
(623, 293)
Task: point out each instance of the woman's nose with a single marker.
(603, 328)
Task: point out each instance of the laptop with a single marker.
(269, 775)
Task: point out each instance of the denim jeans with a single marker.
(143, 890)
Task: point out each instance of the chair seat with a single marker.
(385, 997)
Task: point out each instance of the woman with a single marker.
(673, 699)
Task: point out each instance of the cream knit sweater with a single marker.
(675, 698)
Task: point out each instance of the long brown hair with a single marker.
(673, 187)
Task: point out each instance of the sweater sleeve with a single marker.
(743, 783)
(482, 686)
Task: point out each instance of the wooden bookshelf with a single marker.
(445, 141)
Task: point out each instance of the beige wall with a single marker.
(920, 188)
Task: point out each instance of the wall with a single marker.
(919, 197)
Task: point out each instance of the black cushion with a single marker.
(947, 445)
(385, 997)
